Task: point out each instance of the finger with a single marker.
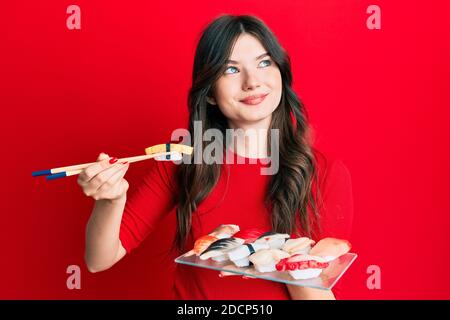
(117, 177)
(226, 274)
(113, 182)
(223, 274)
(102, 156)
(85, 174)
(115, 192)
(103, 177)
(90, 172)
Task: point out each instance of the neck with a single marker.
(250, 139)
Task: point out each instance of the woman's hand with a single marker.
(233, 267)
(104, 180)
(305, 293)
(296, 292)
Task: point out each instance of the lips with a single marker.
(254, 99)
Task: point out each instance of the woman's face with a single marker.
(250, 88)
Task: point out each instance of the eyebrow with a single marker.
(257, 58)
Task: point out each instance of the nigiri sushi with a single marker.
(219, 248)
(225, 231)
(330, 248)
(266, 259)
(240, 255)
(302, 266)
(299, 245)
(221, 232)
(273, 239)
(249, 235)
(201, 244)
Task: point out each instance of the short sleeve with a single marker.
(152, 200)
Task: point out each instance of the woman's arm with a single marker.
(104, 181)
(103, 246)
(303, 293)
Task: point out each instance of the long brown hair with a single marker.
(290, 190)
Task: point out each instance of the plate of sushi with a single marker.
(272, 256)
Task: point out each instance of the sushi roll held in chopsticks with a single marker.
(302, 266)
(217, 251)
(330, 248)
(265, 260)
(176, 151)
(272, 239)
(160, 152)
(299, 245)
(221, 232)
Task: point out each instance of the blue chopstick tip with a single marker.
(41, 173)
(56, 176)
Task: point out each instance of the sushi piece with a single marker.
(302, 266)
(221, 232)
(299, 245)
(225, 231)
(174, 151)
(272, 239)
(173, 156)
(265, 260)
(249, 235)
(330, 248)
(240, 255)
(219, 248)
(201, 244)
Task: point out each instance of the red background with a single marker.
(378, 99)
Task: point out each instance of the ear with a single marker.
(211, 100)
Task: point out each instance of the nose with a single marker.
(250, 81)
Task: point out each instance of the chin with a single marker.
(253, 118)
(256, 115)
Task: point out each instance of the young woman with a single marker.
(241, 80)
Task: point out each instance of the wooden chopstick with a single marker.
(69, 173)
(151, 152)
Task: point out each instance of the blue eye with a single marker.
(231, 70)
(265, 63)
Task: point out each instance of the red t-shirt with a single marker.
(238, 198)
